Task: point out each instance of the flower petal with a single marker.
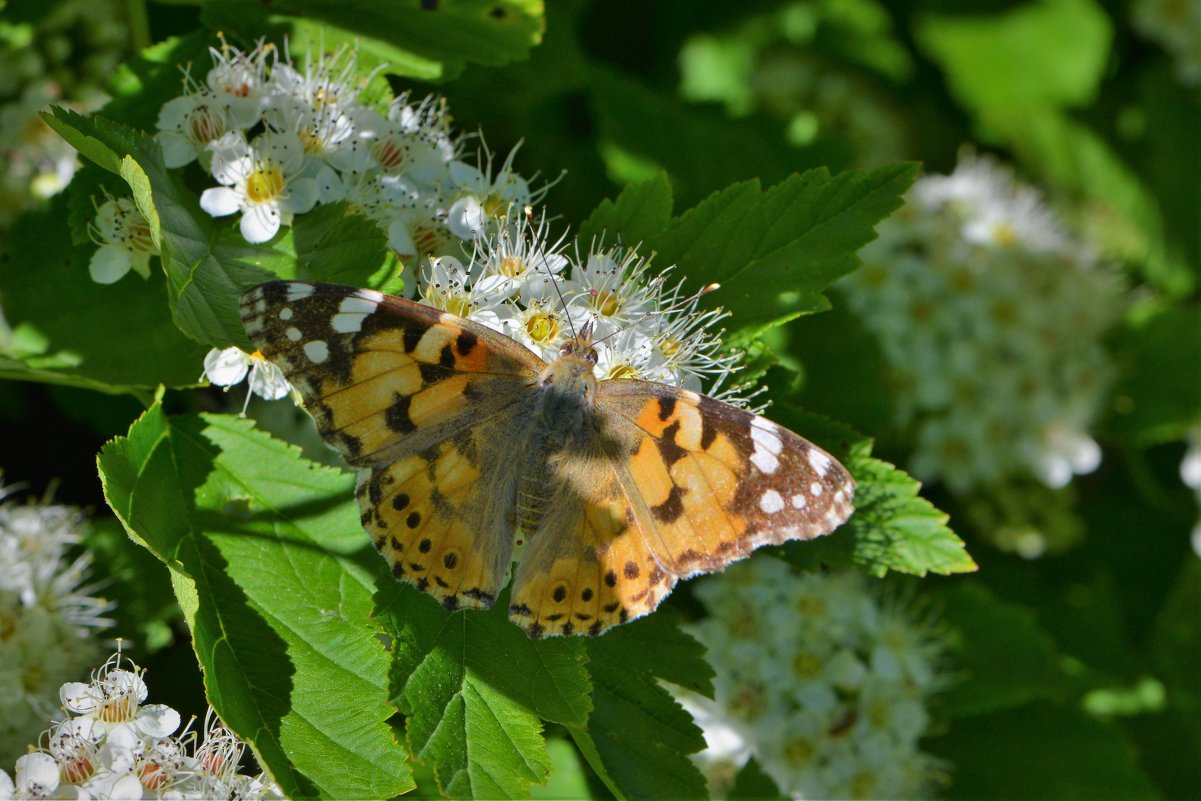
(79, 697)
(109, 264)
(259, 223)
(37, 774)
(220, 201)
(302, 196)
(178, 149)
(157, 720)
(226, 367)
(268, 382)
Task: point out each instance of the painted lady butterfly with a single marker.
(467, 442)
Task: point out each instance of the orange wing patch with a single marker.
(587, 568)
(734, 481)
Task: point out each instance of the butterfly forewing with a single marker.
(423, 403)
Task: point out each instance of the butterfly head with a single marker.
(580, 346)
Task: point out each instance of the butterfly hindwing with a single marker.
(588, 566)
(422, 402)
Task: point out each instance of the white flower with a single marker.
(444, 284)
(482, 199)
(37, 775)
(238, 81)
(518, 260)
(187, 125)
(262, 179)
(124, 240)
(230, 366)
(113, 700)
(1066, 452)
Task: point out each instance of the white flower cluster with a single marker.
(522, 284)
(1176, 26)
(991, 319)
(62, 54)
(49, 618)
(229, 367)
(819, 680)
(112, 745)
(279, 140)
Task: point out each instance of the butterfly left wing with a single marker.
(669, 484)
(425, 403)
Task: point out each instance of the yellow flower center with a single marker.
(669, 346)
(799, 752)
(511, 266)
(806, 665)
(311, 142)
(494, 206)
(541, 327)
(622, 371)
(458, 304)
(265, 184)
(607, 302)
(1004, 235)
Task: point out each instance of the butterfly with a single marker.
(471, 448)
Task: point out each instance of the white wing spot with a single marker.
(317, 351)
(298, 292)
(815, 488)
(821, 462)
(285, 313)
(799, 501)
(764, 436)
(771, 502)
(351, 312)
(766, 461)
(293, 333)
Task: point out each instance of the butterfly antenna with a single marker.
(529, 220)
(672, 307)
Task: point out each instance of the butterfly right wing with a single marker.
(425, 404)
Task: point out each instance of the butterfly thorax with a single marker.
(561, 420)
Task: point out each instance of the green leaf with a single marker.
(1004, 658)
(70, 330)
(701, 148)
(141, 86)
(774, 251)
(1044, 53)
(893, 527)
(422, 40)
(1176, 648)
(1158, 396)
(1062, 754)
(752, 783)
(207, 262)
(638, 738)
(639, 214)
(567, 779)
(474, 689)
(265, 551)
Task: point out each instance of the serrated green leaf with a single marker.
(893, 527)
(638, 738)
(264, 549)
(207, 262)
(70, 330)
(474, 689)
(639, 214)
(1003, 658)
(774, 251)
(421, 40)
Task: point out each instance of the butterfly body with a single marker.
(469, 444)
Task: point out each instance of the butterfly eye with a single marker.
(591, 356)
